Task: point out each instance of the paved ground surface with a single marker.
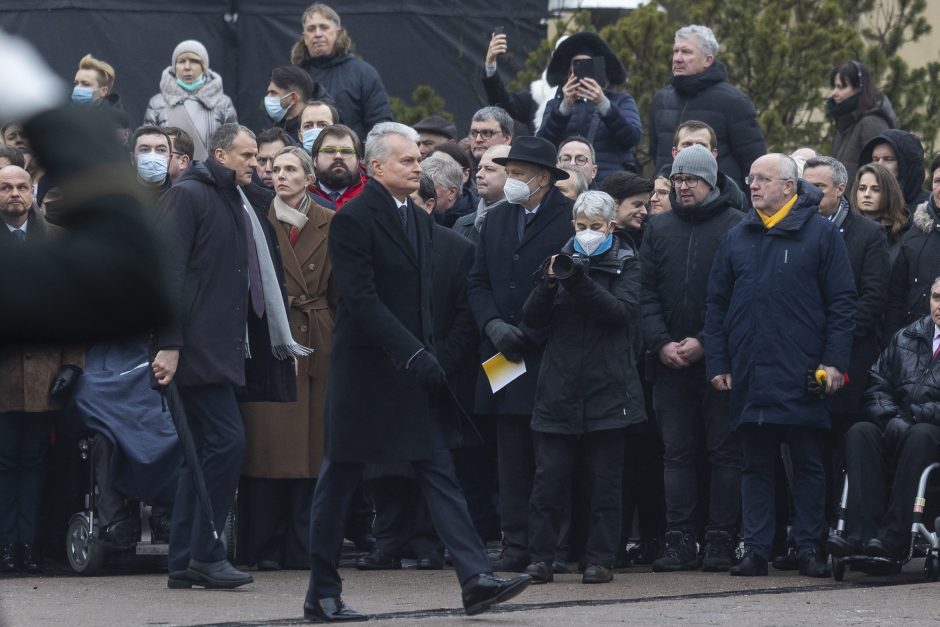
(135, 595)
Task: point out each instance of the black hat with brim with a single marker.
(583, 43)
(536, 151)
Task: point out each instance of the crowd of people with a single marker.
(337, 279)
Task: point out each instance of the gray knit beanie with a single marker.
(193, 46)
(699, 161)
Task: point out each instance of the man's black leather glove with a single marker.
(427, 370)
(507, 339)
(64, 382)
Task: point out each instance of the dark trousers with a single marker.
(219, 436)
(402, 518)
(694, 416)
(274, 515)
(643, 486)
(476, 468)
(445, 502)
(24, 439)
(873, 511)
(516, 471)
(556, 454)
(761, 447)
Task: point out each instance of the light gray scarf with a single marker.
(282, 344)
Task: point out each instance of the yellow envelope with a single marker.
(501, 372)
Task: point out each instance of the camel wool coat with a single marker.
(285, 440)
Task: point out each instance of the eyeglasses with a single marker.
(661, 193)
(760, 178)
(689, 181)
(332, 151)
(484, 134)
(578, 159)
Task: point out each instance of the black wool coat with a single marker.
(504, 273)
(205, 243)
(588, 380)
(376, 411)
(867, 246)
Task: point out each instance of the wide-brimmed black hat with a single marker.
(536, 151)
(583, 43)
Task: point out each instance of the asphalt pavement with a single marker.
(136, 595)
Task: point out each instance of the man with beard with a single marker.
(336, 153)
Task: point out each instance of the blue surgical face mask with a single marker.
(152, 166)
(272, 104)
(82, 94)
(196, 84)
(309, 136)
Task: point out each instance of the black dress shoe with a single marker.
(269, 565)
(561, 567)
(840, 546)
(219, 574)
(378, 560)
(510, 563)
(28, 561)
(430, 562)
(879, 548)
(331, 610)
(540, 572)
(178, 580)
(364, 542)
(8, 559)
(751, 565)
(485, 590)
(595, 573)
(813, 564)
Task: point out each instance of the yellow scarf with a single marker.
(771, 221)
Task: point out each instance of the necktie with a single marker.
(294, 235)
(254, 271)
(528, 218)
(19, 235)
(403, 215)
(936, 353)
(334, 196)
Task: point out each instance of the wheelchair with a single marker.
(88, 551)
(924, 542)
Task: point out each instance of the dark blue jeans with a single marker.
(761, 446)
(24, 439)
(693, 417)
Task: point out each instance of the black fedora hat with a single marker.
(583, 43)
(536, 151)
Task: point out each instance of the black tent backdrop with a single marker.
(440, 43)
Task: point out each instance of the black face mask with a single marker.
(835, 109)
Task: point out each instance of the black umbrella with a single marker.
(181, 422)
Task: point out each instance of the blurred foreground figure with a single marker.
(99, 279)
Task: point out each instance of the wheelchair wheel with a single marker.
(838, 567)
(932, 568)
(85, 555)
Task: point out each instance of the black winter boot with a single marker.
(719, 552)
(681, 553)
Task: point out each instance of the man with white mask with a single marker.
(151, 158)
(515, 240)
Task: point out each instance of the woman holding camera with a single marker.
(585, 68)
(588, 390)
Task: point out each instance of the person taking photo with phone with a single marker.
(585, 69)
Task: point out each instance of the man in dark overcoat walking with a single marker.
(385, 377)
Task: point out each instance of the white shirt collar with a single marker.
(22, 227)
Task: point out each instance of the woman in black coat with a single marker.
(588, 390)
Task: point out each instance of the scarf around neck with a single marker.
(282, 344)
(288, 215)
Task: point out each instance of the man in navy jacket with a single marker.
(781, 301)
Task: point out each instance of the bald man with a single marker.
(490, 179)
(16, 200)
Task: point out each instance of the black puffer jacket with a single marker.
(917, 265)
(905, 381)
(677, 253)
(910, 154)
(588, 380)
(709, 98)
(856, 129)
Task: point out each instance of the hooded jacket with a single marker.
(780, 302)
(678, 249)
(910, 155)
(708, 97)
(856, 129)
(587, 379)
(917, 265)
(168, 108)
(354, 85)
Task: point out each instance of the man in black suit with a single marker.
(385, 377)
(515, 241)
